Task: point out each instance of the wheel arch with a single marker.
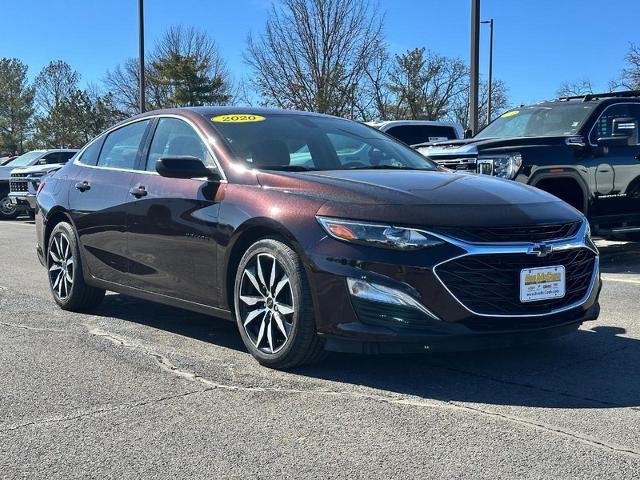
(569, 175)
(245, 235)
(54, 217)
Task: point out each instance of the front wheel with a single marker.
(64, 267)
(273, 306)
(8, 209)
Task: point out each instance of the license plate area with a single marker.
(542, 283)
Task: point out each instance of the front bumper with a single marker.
(23, 200)
(352, 324)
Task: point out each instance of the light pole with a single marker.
(141, 85)
(475, 60)
(490, 88)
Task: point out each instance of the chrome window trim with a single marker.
(204, 139)
(602, 113)
(576, 242)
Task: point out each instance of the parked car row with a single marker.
(315, 233)
(20, 178)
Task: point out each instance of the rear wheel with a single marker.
(64, 267)
(8, 210)
(273, 306)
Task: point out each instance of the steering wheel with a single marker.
(349, 165)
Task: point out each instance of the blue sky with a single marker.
(538, 43)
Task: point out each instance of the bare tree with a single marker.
(425, 84)
(184, 68)
(54, 83)
(459, 112)
(631, 73)
(576, 88)
(313, 54)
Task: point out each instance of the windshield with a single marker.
(25, 159)
(305, 142)
(539, 121)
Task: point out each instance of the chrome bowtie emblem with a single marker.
(541, 249)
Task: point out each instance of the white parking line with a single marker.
(621, 280)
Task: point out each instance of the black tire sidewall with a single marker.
(78, 278)
(303, 319)
(3, 216)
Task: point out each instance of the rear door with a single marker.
(173, 223)
(98, 196)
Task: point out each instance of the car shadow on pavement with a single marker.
(591, 368)
(594, 368)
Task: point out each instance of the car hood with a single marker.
(472, 146)
(424, 197)
(38, 168)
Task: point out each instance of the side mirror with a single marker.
(624, 133)
(185, 167)
(468, 133)
(613, 141)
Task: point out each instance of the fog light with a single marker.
(374, 292)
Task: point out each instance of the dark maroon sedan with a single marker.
(313, 233)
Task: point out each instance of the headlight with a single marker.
(378, 235)
(502, 165)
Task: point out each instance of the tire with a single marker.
(64, 269)
(273, 307)
(8, 210)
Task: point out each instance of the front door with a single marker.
(617, 174)
(173, 223)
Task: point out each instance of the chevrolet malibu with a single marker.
(312, 233)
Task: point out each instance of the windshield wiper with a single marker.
(387, 167)
(291, 168)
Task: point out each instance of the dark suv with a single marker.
(584, 150)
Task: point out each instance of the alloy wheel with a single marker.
(61, 265)
(266, 303)
(7, 208)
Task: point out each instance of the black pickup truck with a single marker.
(584, 150)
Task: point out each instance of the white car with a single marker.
(415, 132)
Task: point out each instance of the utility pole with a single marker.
(490, 22)
(475, 61)
(141, 85)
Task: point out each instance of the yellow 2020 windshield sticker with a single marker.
(238, 118)
(512, 113)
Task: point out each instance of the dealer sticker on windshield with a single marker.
(542, 283)
(238, 118)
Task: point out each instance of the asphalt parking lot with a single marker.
(138, 390)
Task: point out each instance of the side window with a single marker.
(604, 126)
(414, 134)
(90, 154)
(121, 146)
(174, 137)
(58, 157)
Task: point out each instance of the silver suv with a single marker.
(19, 179)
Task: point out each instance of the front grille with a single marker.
(458, 163)
(18, 186)
(490, 284)
(19, 175)
(530, 233)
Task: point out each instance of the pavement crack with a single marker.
(26, 327)
(123, 406)
(400, 400)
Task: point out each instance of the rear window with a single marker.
(415, 134)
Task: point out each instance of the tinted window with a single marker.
(90, 154)
(297, 142)
(121, 146)
(604, 125)
(58, 157)
(415, 134)
(174, 137)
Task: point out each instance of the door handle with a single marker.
(138, 191)
(83, 186)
